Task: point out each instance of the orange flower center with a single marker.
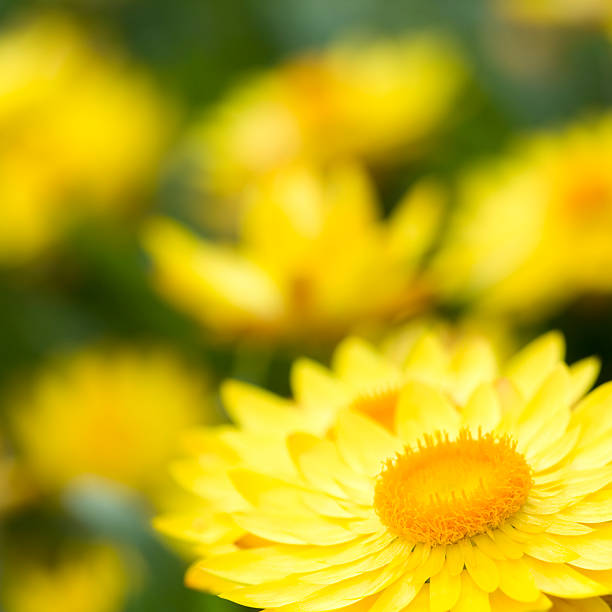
(447, 490)
(380, 406)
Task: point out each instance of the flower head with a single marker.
(533, 230)
(358, 99)
(88, 578)
(81, 132)
(114, 414)
(490, 490)
(314, 258)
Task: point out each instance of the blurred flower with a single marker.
(114, 414)
(532, 231)
(314, 258)
(81, 132)
(558, 12)
(373, 100)
(90, 579)
(442, 484)
(15, 487)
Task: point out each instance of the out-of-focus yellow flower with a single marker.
(558, 12)
(114, 414)
(533, 230)
(364, 99)
(15, 486)
(82, 580)
(314, 258)
(81, 132)
(447, 483)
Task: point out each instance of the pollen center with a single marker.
(447, 490)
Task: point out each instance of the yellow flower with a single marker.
(533, 230)
(313, 260)
(364, 99)
(557, 12)
(81, 132)
(114, 414)
(15, 487)
(442, 484)
(82, 580)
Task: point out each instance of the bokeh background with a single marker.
(132, 131)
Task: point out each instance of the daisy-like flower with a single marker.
(507, 243)
(366, 99)
(333, 261)
(82, 578)
(441, 484)
(114, 414)
(81, 132)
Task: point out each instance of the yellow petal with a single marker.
(590, 604)
(563, 581)
(454, 559)
(392, 553)
(427, 361)
(204, 528)
(359, 364)
(444, 590)
(503, 603)
(594, 508)
(471, 599)
(348, 591)
(258, 410)
(584, 373)
(291, 529)
(318, 462)
(528, 368)
(423, 410)
(364, 444)
(198, 578)
(516, 581)
(482, 569)
(267, 492)
(414, 221)
(473, 363)
(482, 410)
(315, 387)
(398, 595)
(548, 406)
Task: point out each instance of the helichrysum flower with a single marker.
(81, 579)
(532, 230)
(314, 258)
(81, 132)
(114, 414)
(442, 484)
(366, 99)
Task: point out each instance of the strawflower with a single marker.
(446, 483)
(114, 414)
(313, 259)
(532, 230)
(374, 100)
(81, 132)
(90, 578)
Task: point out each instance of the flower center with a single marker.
(380, 406)
(447, 490)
